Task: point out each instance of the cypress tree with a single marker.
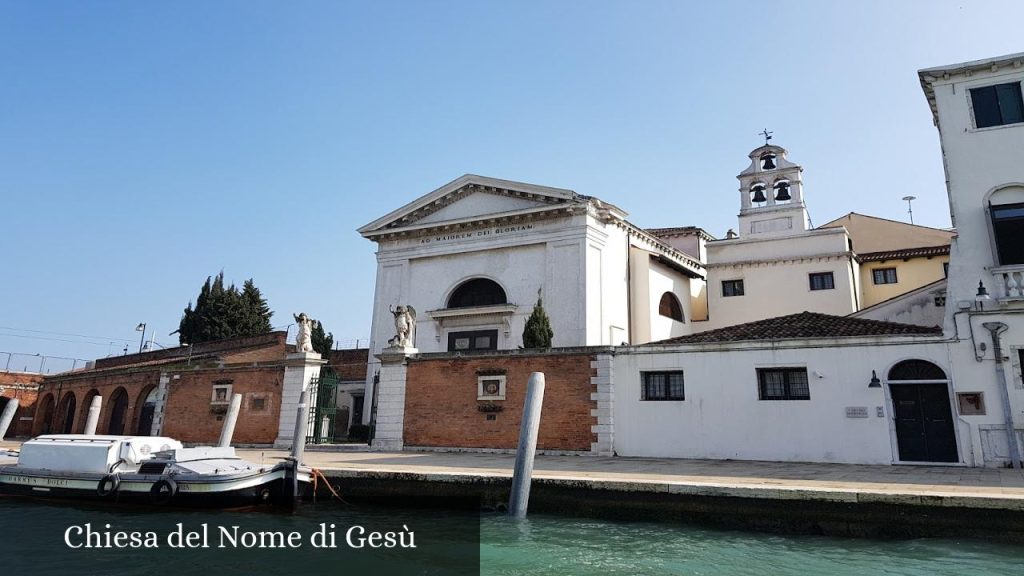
(538, 332)
(224, 312)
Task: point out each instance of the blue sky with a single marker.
(145, 146)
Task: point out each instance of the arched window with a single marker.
(1006, 210)
(477, 292)
(670, 308)
(916, 370)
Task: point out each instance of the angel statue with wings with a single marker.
(304, 338)
(405, 326)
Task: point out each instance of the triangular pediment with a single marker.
(471, 198)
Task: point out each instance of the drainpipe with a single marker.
(997, 328)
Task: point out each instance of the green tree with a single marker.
(322, 341)
(538, 332)
(224, 312)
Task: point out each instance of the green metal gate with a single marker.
(323, 394)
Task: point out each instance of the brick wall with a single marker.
(24, 387)
(349, 364)
(441, 406)
(190, 415)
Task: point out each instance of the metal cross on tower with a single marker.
(767, 135)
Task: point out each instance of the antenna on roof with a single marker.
(910, 207)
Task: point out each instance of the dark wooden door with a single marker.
(924, 423)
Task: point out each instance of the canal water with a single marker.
(44, 539)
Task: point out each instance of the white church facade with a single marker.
(473, 257)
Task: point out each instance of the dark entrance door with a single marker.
(924, 423)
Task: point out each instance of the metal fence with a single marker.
(323, 412)
(38, 363)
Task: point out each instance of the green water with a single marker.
(32, 542)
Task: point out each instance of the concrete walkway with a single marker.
(947, 486)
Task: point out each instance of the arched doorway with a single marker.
(922, 412)
(44, 415)
(145, 407)
(118, 412)
(83, 412)
(66, 414)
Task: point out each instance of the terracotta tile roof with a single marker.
(804, 325)
(904, 253)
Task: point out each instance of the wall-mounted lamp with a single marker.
(982, 296)
(875, 382)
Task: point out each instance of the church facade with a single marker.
(473, 257)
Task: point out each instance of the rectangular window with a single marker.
(472, 340)
(884, 275)
(822, 281)
(732, 287)
(662, 386)
(1008, 229)
(997, 105)
(945, 269)
(783, 384)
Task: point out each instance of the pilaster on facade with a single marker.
(605, 410)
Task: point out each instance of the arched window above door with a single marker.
(477, 292)
(916, 370)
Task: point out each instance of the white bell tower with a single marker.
(771, 195)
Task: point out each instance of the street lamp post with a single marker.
(141, 328)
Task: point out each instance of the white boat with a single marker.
(147, 469)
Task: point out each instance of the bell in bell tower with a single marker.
(771, 194)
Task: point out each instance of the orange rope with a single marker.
(317, 474)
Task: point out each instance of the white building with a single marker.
(473, 256)
(978, 110)
(806, 387)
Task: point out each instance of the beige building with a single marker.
(895, 257)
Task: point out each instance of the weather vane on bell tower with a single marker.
(767, 135)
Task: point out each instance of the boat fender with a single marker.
(163, 491)
(108, 485)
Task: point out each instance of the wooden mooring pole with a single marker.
(519, 498)
(228, 430)
(92, 419)
(8, 416)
